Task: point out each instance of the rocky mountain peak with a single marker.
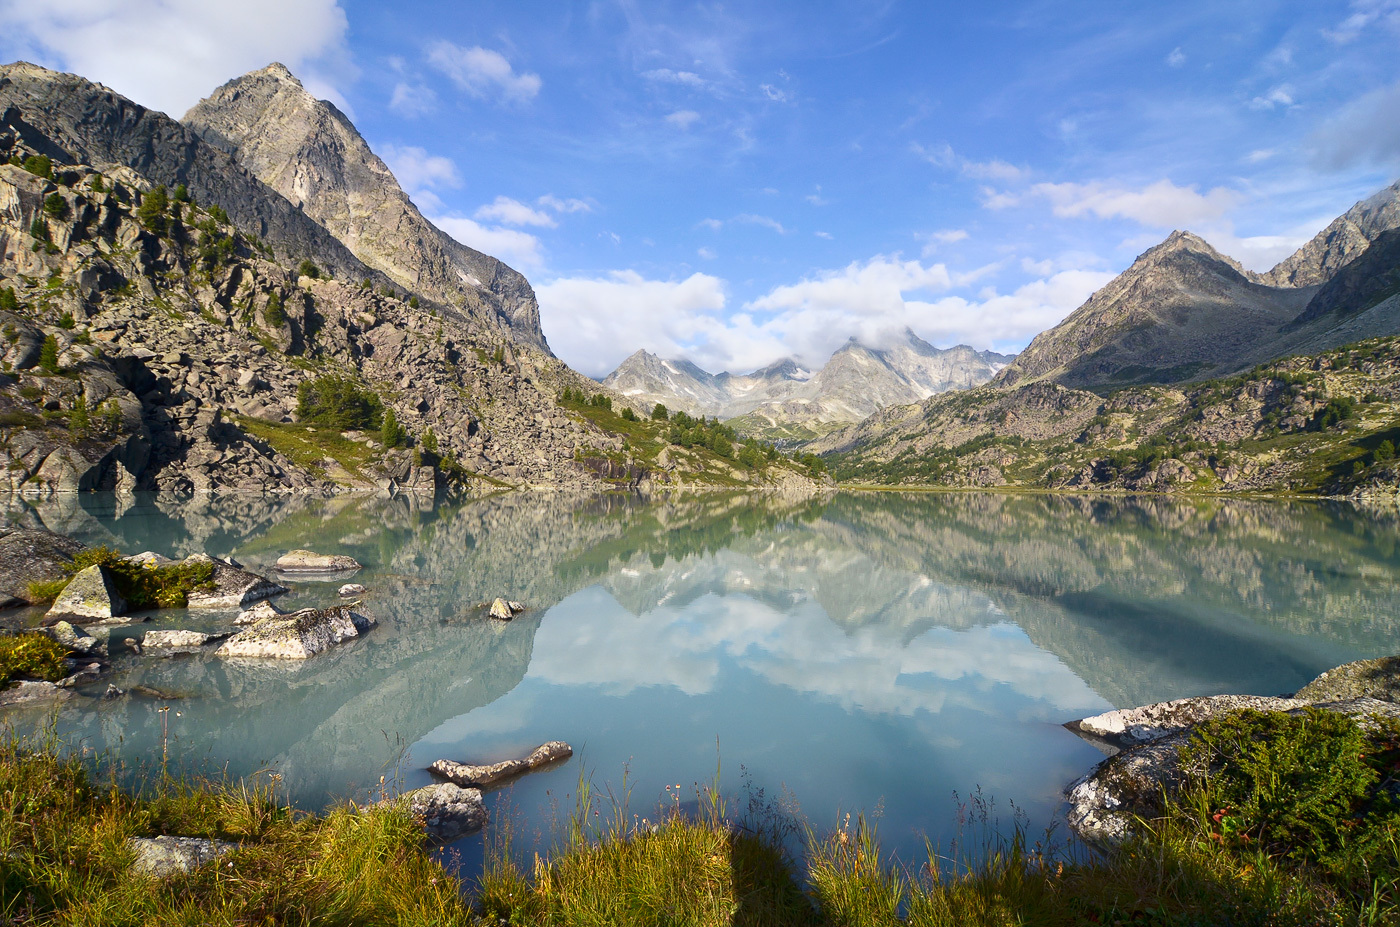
(311, 154)
(1341, 242)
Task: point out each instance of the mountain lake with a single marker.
(884, 653)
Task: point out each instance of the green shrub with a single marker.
(429, 442)
(338, 402)
(413, 302)
(1336, 411)
(628, 415)
(1384, 451)
(275, 315)
(182, 193)
(152, 210)
(8, 301)
(31, 656)
(55, 205)
(39, 229)
(143, 586)
(659, 412)
(97, 185)
(307, 268)
(48, 354)
(79, 421)
(1301, 786)
(66, 322)
(39, 166)
(390, 434)
(216, 212)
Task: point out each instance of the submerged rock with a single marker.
(179, 641)
(351, 589)
(91, 593)
(75, 639)
(1379, 679)
(233, 587)
(298, 635)
(447, 811)
(29, 690)
(465, 774)
(163, 856)
(306, 561)
(30, 555)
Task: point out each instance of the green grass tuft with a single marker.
(31, 656)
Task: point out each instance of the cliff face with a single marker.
(1344, 239)
(76, 121)
(306, 150)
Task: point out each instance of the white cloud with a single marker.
(482, 72)
(773, 93)
(1259, 155)
(683, 118)
(816, 199)
(1365, 132)
(666, 75)
(417, 171)
(1367, 14)
(706, 253)
(765, 221)
(167, 54)
(992, 170)
(1162, 204)
(520, 250)
(412, 100)
(593, 323)
(564, 206)
(713, 225)
(826, 235)
(1176, 59)
(513, 212)
(943, 156)
(596, 322)
(1282, 95)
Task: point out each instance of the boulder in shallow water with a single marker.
(91, 593)
(1379, 679)
(504, 611)
(307, 561)
(297, 635)
(447, 811)
(258, 612)
(75, 639)
(351, 589)
(164, 856)
(28, 690)
(233, 587)
(466, 774)
(179, 640)
(1128, 727)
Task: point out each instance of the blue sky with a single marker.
(739, 182)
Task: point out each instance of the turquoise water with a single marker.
(861, 652)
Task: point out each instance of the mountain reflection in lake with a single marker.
(863, 651)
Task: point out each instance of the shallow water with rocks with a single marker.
(873, 652)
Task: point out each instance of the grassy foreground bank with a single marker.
(1295, 824)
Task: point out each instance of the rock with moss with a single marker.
(166, 856)
(91, 593)
(231, 586)
(179, 640)
(75, 639)
(447, 811)
(1378, 679)
(298, 635)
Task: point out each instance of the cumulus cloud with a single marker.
(683, 118)
(167, 54)
(520, 250)
(483, 73)
(417, 171)
(1365, 132)
(513, 212)
(595, 322)
(1162, 204)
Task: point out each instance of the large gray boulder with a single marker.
(447, 811)
(30, 555)
(179, 640)
(233, 587)
(75, 639)
(164, 856)
(298, 635)
(465, 774)
(91, 593)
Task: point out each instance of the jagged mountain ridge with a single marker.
(1342, 241)
(856, 381)
(310, 153)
